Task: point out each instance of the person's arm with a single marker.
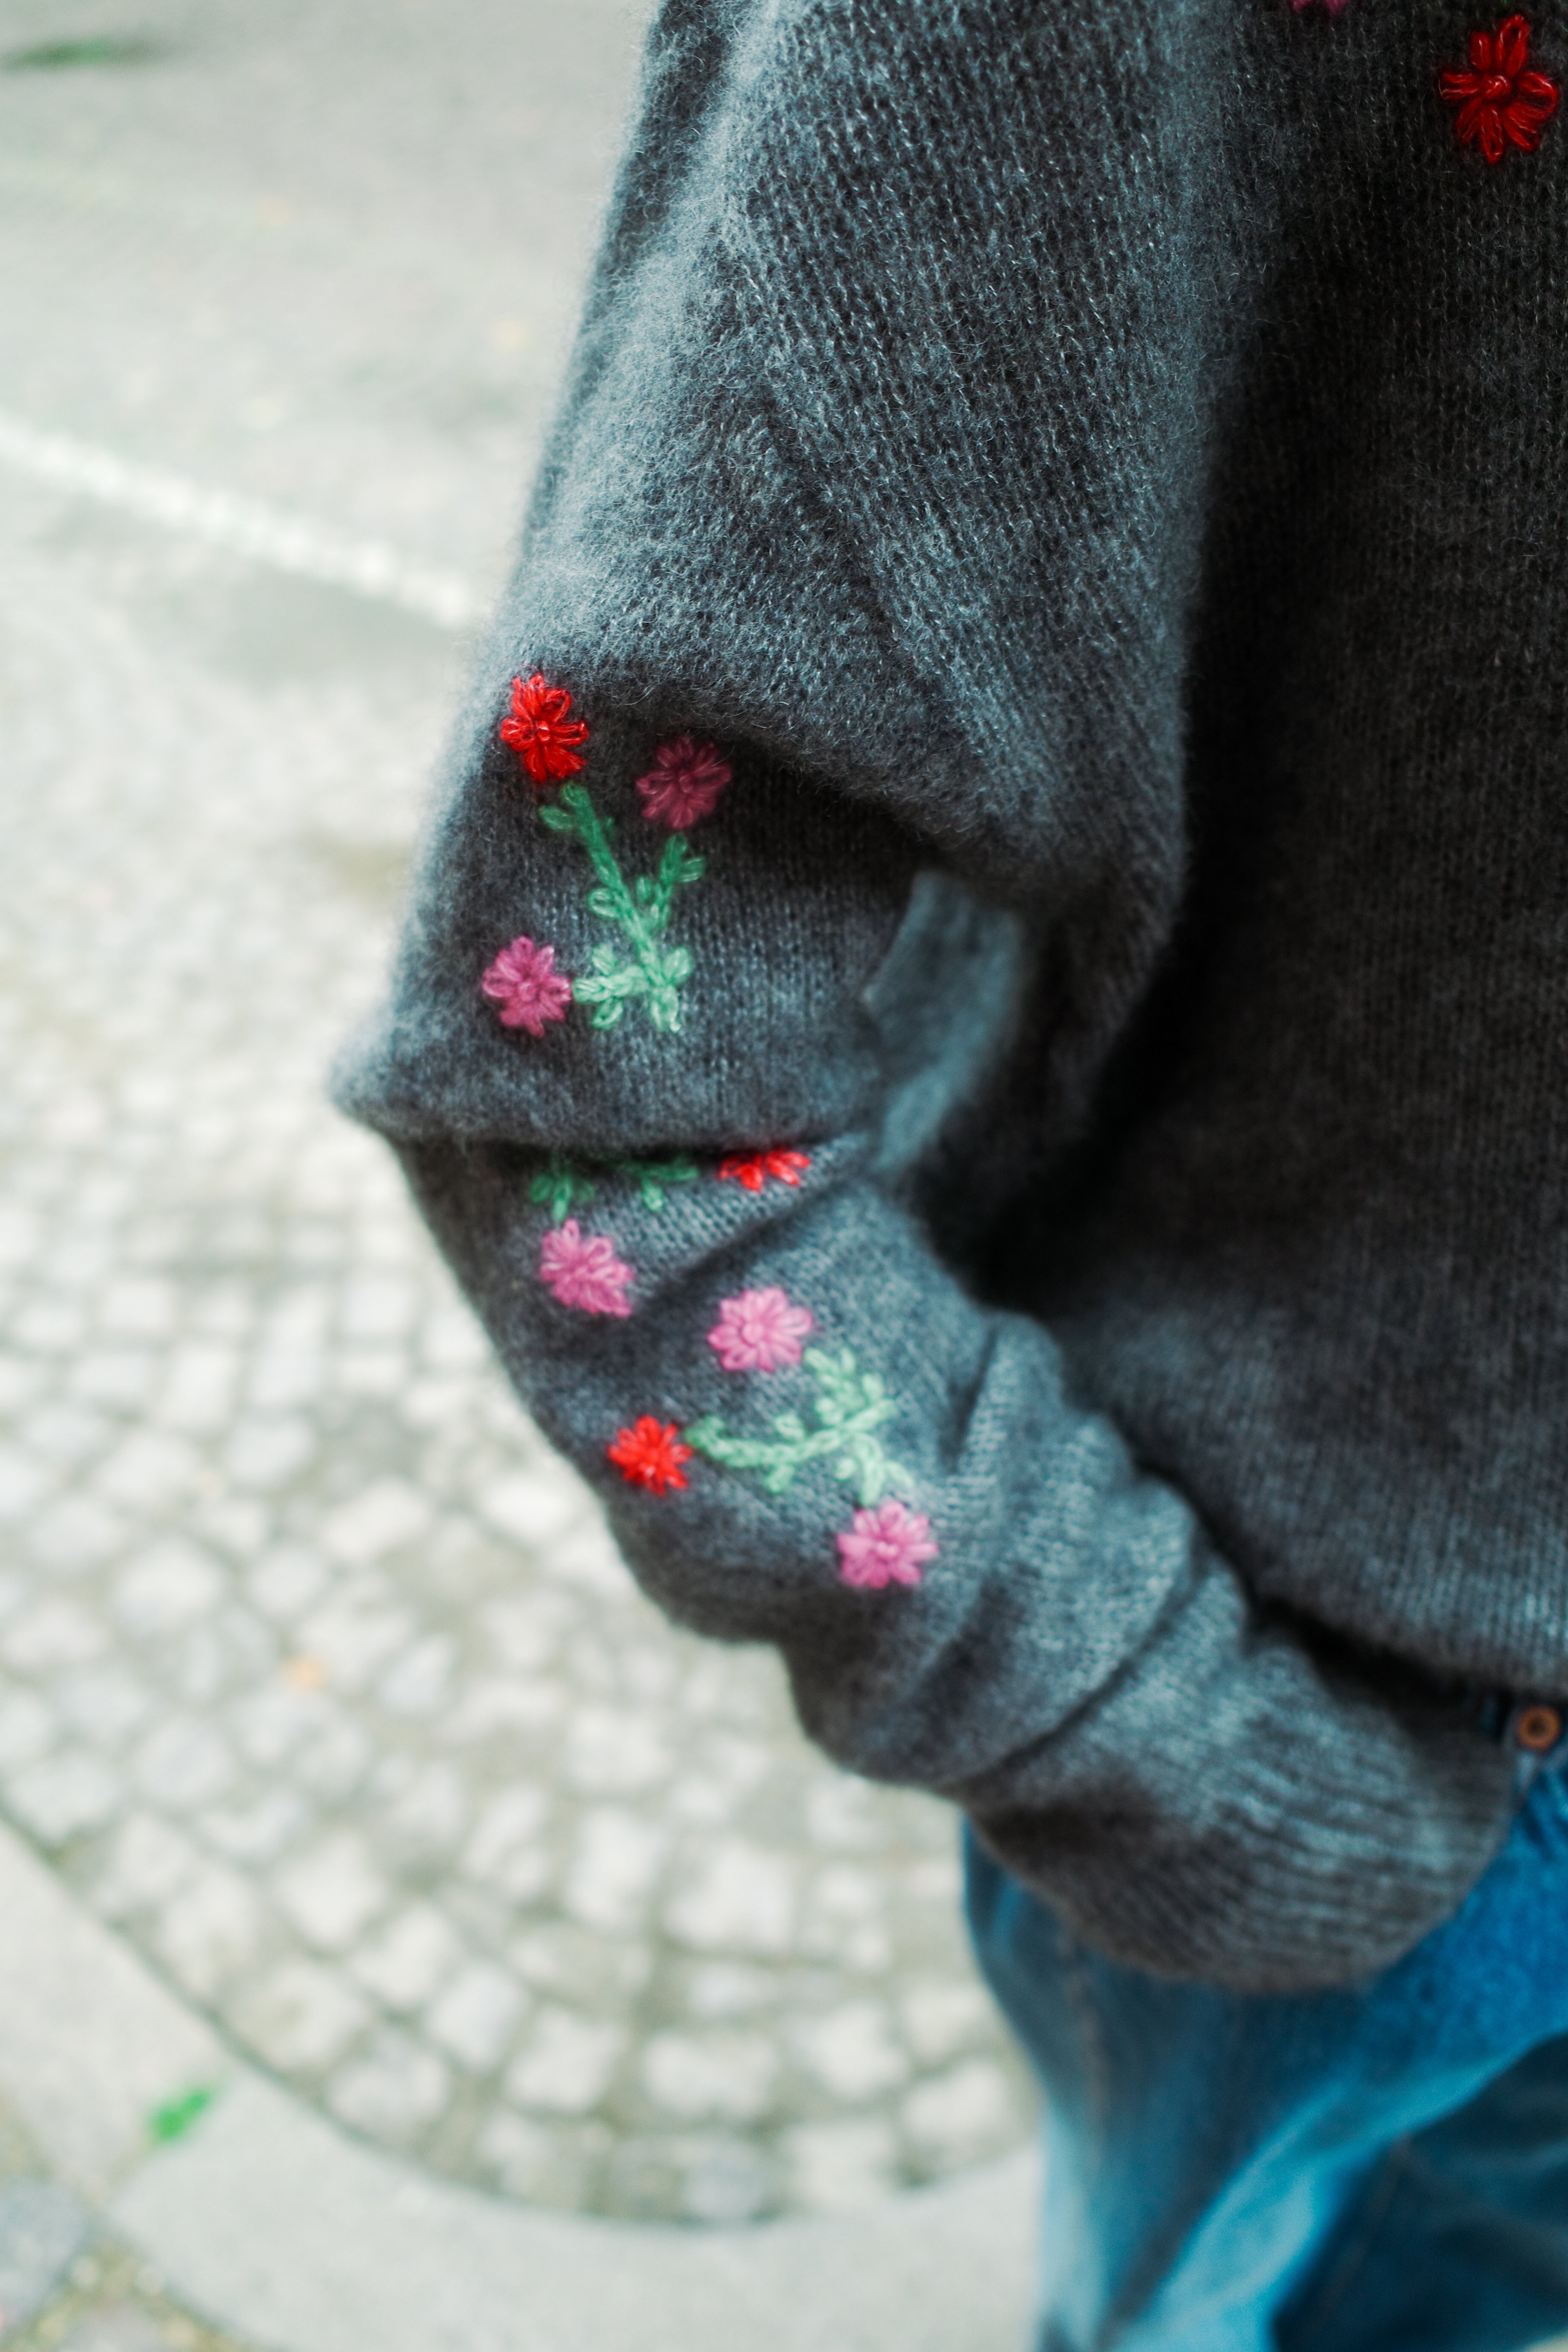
(708, 753)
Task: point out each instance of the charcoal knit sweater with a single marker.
(984, 1023)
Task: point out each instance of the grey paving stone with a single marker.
(42, 2227)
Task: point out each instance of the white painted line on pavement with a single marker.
(241, 526)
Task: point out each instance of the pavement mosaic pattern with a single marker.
(319, 1676)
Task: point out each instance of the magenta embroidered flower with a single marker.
(1334, 7)
(584, 1271)
(683, 783)
(758, 1332)
(886, 1547)
(527, 988)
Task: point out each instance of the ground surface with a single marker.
(318, 1677)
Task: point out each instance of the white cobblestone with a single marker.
(413, 1953)
(568, 2063)
(392, 2090)
(739, 1897)
(301, 2016)
(852, 2052)
(332, 1894)
(719, 2077)
(476, 2016)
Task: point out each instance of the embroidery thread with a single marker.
(848, 1409)
(525, 987)
(884, 1546)
(560, 1186)
(753, 1170)
(684, 782)
(759, 1330)
(541, 730)
(583, 1270)
(1500, 103)
(641, 910)
(650, 1455)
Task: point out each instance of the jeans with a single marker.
(1378, 2168)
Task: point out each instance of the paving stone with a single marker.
(852, 2052)
(476, 2016)
(42, 2227)
(392, 2090)
(717, 2076)
(567, 2063)
(333, 1892)
(413, 1955)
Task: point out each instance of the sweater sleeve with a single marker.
(685, 843)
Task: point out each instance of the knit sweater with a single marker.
(979, 1015)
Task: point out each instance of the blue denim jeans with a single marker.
(1379, 2168)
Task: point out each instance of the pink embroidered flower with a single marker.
(758, 1332)
(784, 1167)
(1334, 7)
(584, 1273)
(649, 1454)
(1499, 103)
(541, 730)
(683, 783)
(886, 1547)
(524, 983)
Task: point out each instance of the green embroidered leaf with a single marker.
(559, 1189)
(640, 910)
(849, 1407)
(652, 1178)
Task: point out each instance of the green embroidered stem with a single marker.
(641, 910)
(559, 1187)
(849, 1406)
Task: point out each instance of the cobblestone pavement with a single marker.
(65, 2285)
(319, 1676)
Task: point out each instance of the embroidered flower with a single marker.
(541, 730)
(526, 987)
(784, 1167)
(886, 1547)
(683, 783)
(1334, 7)
(758, 1332)
(1499, 103)
(649, 1454)
(584, 1273)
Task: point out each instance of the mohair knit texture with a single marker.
(1097, 476)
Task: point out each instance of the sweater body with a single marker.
(1095, 481)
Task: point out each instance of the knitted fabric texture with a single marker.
(1096, 487)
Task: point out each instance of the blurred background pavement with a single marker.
(320, 1683)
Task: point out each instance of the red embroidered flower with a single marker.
(683, 783)
(541, 730)
(1499, 101)
(649, 1454)
(784, 1167)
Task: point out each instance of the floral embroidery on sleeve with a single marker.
(847, 1408)
(650, 1453)
(758, 1332)
(683, 786)
(1500, 103)
(525, 987)
(541, 730)
(886, 1547)
(582, 1270)
(683, 783)
(885, 1542)
(559, 1186)
(753, 1170)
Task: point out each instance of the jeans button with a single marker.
(1536, 1728)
